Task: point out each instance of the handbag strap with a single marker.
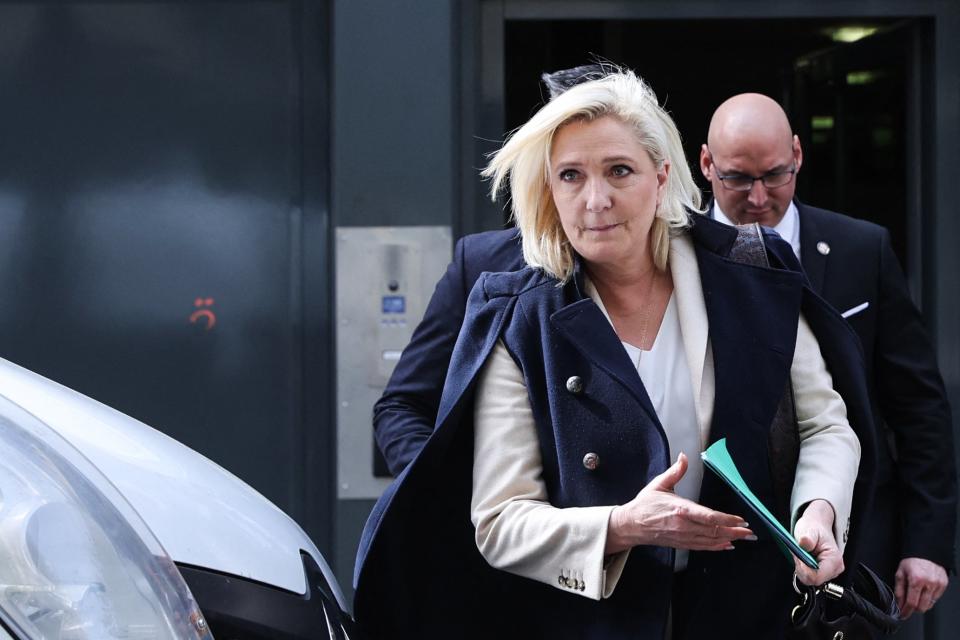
(783, 442)
(874, 599)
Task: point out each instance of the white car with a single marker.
(110, 529)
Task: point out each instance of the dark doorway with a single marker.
(850, 102)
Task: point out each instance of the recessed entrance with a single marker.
(853, 91)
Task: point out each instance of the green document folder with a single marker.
(717, 459)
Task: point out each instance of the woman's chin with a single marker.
(606, 253)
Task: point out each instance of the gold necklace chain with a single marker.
(646, 311)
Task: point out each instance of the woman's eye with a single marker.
(568, 175)
(621, 171)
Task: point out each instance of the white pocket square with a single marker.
(855, 310)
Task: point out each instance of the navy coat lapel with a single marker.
(472, 348)
(578, 323)
(814, 262)
(752, 314)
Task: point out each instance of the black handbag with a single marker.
(862, 611)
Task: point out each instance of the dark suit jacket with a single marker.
(418, 568)
(916, 502)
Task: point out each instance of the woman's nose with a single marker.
(598, 195)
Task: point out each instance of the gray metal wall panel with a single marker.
(152, 176)
(394, 142)
(393, 136)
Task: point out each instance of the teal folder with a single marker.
(717, 459)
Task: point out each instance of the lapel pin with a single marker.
(823, 248)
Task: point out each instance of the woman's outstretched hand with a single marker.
(657, 516)
(814, 532)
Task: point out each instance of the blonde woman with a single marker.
(581, 393)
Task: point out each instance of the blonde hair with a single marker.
(525, 160)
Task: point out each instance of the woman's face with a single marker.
(606, 189)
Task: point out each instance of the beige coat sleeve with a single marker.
(517, 529)
(829, 448)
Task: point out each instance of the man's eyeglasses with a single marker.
(740, 182)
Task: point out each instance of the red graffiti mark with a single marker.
(202, 312)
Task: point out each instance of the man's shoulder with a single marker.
(490, 251)
(497, 240)
(835, 222)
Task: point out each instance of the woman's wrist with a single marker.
(617, 538)
(820, 510)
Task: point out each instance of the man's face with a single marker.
(732, 163)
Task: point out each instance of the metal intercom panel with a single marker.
(385, 277)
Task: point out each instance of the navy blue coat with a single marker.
(418, 569)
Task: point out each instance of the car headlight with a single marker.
(76, 561)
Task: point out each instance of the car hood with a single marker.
(202, 514)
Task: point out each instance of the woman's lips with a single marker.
(603, 227)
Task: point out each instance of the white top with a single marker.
(666, 378)
(788, 228)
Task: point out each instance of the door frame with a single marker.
(933, 259)
(311, 283)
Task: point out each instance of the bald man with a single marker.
(752, 160)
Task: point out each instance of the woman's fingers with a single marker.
(658, 516)
(713, 535)
(831, 566)
(817, 537)
(694, 526)
(697, 520)
(708, 517)
(667, 480)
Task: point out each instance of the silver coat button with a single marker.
(591, 461)
(574, 384)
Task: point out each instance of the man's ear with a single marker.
(705, 161)
(797, 152)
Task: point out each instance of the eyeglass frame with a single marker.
(742, 176)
